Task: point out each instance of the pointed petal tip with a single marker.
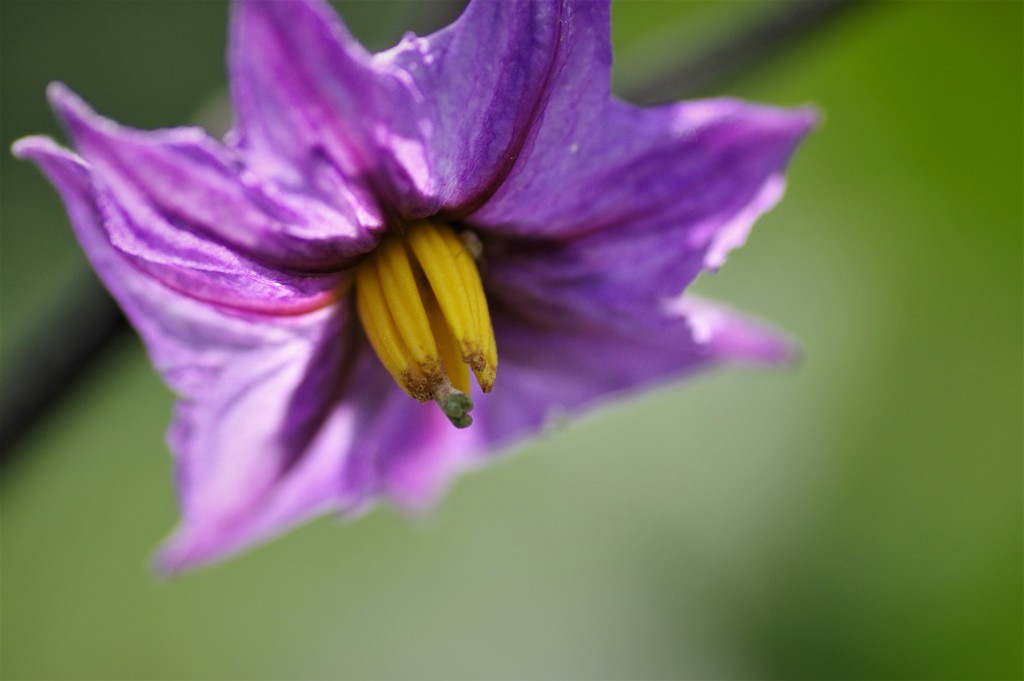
(54, 160)
(791, 125)
(731, 336)
(805, 119)
(184, 552)
(808, 115)
(57, 90)
(785, 124)
(32, 147)
(73, 112)
(757, 342)
(66, 101)
(166, 564)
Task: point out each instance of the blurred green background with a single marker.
(858, 516)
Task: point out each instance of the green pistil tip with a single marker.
(456, 406)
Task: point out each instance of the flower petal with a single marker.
(487, 81)
(688, 168)
(336, 433)
(570, 362)
(635, 266)
(189, 341)
(173, 253)
(313, 111)
(256, 444)
(182, 176)
(265, 448)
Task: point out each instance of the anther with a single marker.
(451, 271)
(422, 305)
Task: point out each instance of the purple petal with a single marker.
(571, 362)
(207, 356)
(686, 171)
(265, 448)
(185, 178)
(188, 340)
(634, 266)
(487, 81)
(313, 110)
(335, 433)
(170, 253)
(257, 444)
(725, 334)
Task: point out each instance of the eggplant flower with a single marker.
(378, 229)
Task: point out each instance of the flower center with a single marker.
(422, 305)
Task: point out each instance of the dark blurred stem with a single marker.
(748, 48)
(54, 356)
(52, 361)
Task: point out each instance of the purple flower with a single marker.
(345, 254)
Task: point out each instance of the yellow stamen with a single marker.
(453, 277)
(427, 317)
(471, 282)
(384, 335)
(451, 358)
(403, 297)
